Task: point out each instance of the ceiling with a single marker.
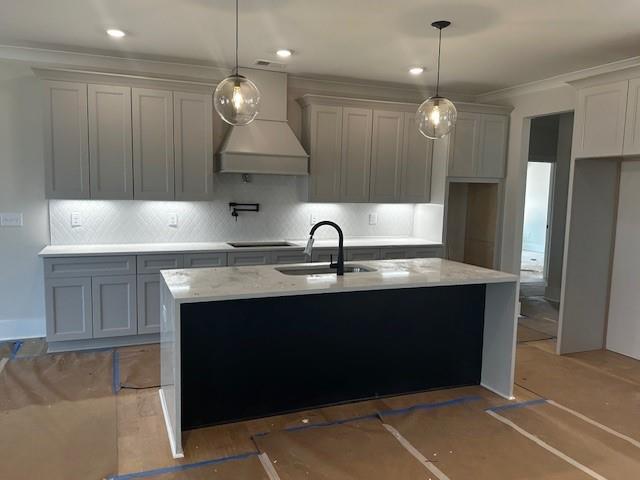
(492, 44)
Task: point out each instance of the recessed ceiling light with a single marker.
(284, 53)
(115, 33)
(416, 70)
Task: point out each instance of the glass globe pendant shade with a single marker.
(237, 100)
(436, 117)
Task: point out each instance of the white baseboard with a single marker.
(21, 328)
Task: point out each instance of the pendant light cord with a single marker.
(236, 37)
(438, 71)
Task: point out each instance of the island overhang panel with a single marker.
(247, 342)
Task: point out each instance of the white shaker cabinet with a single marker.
(193, 141)
(494, 132)
(110, 143)
(632, 125)
(386, 155)
(464, 145)
(153, 165)
(600, 120)
(66, 140)
(356, 154)
(417, 152)
(323, 141)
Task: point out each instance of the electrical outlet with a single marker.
(373, 219)
(313, 219)
(173, 220)
(10, 219)
(76, 219)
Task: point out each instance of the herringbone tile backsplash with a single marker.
(282, 215)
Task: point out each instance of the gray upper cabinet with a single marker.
(493, 146)
(417, 152)
(386, 156)
(478, 145)
(356, 154)
(600, 120)
(114, 303)
(632, 124)
(193, 142)
(68, 308)
(110, 144)
(323, 126)
(153, 166)
(66, 140)
(464, 143)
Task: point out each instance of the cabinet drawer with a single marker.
(289, 257)
(249, 258)
(425, 252)
(324, 255)
(155, 263)
(203, 260)
(87, 266)
(362, 254)
(393, 253)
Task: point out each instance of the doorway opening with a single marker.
(543, 232)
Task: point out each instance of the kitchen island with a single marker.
(247, 342)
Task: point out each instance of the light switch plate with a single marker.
(76, 219)
(373, 219)
(173, 220)
(10, 219)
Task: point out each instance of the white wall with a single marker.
(623, 333)
(545, 102)
(21, 190)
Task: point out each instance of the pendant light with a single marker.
(237, 98)
(437, 115)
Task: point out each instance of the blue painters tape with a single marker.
(183, 467)
(421, 406)
(513, 406)
(431, 406)
(116, 372)
(16, 347)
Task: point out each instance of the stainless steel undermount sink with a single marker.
(322, 270)
(259, 244)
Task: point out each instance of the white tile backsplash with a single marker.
(282, 215)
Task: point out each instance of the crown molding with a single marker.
(558, 80)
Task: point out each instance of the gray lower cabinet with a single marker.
(391, 253)
(149, 303)
(114, 306)
(155, 263)
(324, 255)
(249, 258)
(362, 254)
(68, 308)
(204, 260)
(289, 257)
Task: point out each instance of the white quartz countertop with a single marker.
(194, 247)
(228, 283)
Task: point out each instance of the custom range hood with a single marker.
(267, 145)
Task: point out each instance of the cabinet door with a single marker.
(249, 258)
(362, 254)
(153, 168)
(632, 124)
(493, 146)
(68, 308)
(386, 156)
(114, 306)
(148, 303)
(193, 140)
(325, 147)
(110, 142)
(464, 145)
(417, 153)
(66, 145)
(356, 154)
(599, 120)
